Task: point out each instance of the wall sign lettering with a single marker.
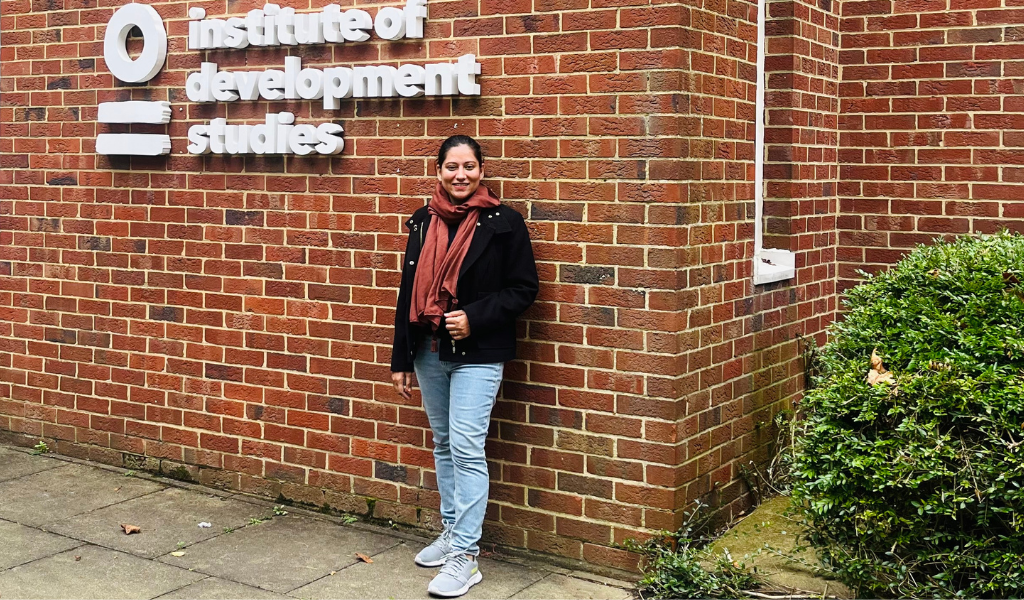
(276, 26)
(270, 26)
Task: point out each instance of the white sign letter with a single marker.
(330, 138)
(409, 81)
(200, 142)
(224, 86)
(415, 15)
(271, 83)
(354, 23)
(337, 85)
(468, 70)
(390, 23)
(198, 85)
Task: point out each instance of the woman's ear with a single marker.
(437, 171)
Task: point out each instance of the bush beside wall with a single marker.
(914, 485)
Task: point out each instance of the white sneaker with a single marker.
(458, 574)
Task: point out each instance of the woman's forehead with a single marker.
(462, 153)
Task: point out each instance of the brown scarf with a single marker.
(438, 272)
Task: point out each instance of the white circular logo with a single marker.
(154, 49)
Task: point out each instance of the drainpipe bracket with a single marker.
(771, 265)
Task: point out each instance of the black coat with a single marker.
(497, 282)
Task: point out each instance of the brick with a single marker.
(560, 503)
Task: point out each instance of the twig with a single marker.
(787, 596)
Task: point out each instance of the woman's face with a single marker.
(460, 174)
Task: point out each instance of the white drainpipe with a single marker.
(769, 264)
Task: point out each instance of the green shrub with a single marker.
(913, 487)
(691, 573)
(681, 564)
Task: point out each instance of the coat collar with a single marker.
(491, 221)
(492, 218)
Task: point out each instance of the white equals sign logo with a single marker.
(141, 69)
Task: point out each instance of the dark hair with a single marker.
(454, 142)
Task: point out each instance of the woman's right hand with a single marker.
(403, 384)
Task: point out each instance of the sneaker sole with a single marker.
(475, 579)
(433, 563)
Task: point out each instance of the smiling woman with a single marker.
(468, 273)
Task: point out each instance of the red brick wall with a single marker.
(801, 168)
(232, 315)
(932, 125)
(739, 340)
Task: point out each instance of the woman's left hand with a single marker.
(457, 324)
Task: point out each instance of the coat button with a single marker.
(490, 216)
(463, 353)
(478, 223)
(412, 262)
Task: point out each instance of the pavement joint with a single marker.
(179, 588)
(527, 586)
(45, 527)
(213, 576)
(333, 573)
(28, 562)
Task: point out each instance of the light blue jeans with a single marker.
(458, 399)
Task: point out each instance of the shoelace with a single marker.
(445, 539)
(455, 563)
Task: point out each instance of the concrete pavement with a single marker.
(61, 537)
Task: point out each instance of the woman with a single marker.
(468, 273)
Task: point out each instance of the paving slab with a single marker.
(503, 579)
(283, 553)
(14, 464)
(393, 574)
(93, 572)
(169, 520)
(560, 587)
(767, 539)
(66, 491)
(213, 588)
(23, 544)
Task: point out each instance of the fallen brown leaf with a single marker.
(878, 374)
(364, 558)
(1012, 281)
(130, 529)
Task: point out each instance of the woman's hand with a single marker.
(403, 384)
(458, 324)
